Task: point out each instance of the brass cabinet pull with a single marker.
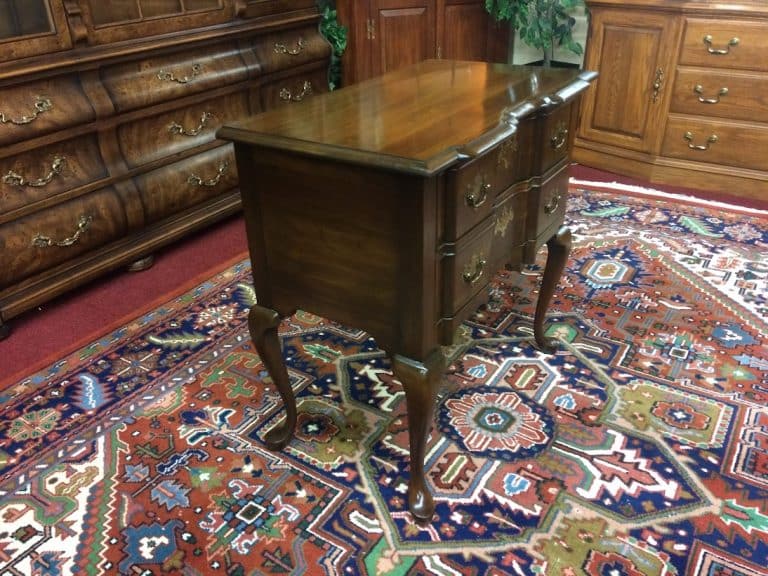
(553, 203)
(476, 198)
(176, 128)
(689, 137)
(83, 223)
(720, 51)
(170, 77)
(474, 270)
(287, 96)
(16, 179)
(211, 182)
(560, 138)
(370, 29)
(283, 49)
(41, 106)
(658, 83)
(699, 89)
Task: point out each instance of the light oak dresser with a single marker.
(108, 115)
(682, 97)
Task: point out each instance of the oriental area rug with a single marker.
(639, 448)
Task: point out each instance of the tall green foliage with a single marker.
(542, 24)
(336, 34)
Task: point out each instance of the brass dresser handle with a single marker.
(16, 179)
(553, 203)
(658, 83)
(287, 96)
(720, 51)
(196, 70)
(41, 105)
(474, 270)
(699, 90)
(211, 182)
(83, 223)
(560, 137)
(476, 198)
(176, 128)
(689, 137)
(283, 49)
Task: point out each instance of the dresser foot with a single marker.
(262, 324)
(421, 382)
(558, 249)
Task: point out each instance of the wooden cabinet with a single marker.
(108, 116)
(681, 97)
(388, 34)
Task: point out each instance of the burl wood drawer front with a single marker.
(727, 143)
(293, 89)
(546, 205)
(556, 137)
(34, 176)
(43, 106)
(466, 268)
(725, 94)
(49, 237)
(725, 44)
(179, 130)
(152, 80)
(178, 186)
(290, 48)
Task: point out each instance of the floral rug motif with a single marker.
(639, 448)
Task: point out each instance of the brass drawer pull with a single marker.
(210, 183)
(170, 77)
(83, 223)
(16, 179)
(689, 137)
(287, 96)
(553, 203)
(176, 128)
(474, 270)
(283, 49)
(720, 51)
(658, 83)
(560, 138)
(477, 198)
(699, 89)
(41, 105)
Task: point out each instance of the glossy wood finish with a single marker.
(676, 102)
(108, 145)
(388, 205)
(385, 35)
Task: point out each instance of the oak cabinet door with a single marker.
(634, 53)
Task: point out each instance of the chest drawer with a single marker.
(466, 267)
(179, 130)
(725, 44)
(556, 137)
(152, 80)
(290, 48)
(293, 89)
(546, 204)
(52, 236)
(43, 106)
(508, 229)
(720, 142)
(178, 186)
(724, 94)
(34, 176)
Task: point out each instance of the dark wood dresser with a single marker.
(388, 205)
(108, 115)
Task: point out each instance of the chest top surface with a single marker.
(419, 119)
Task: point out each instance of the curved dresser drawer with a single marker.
(725, 143)
(176, 187)
(725, 44)
(293, 89)
(290, 48)
(43, 106)
(546, 204)
(724, 94)
(556, 136)
(52, 236)
(179, 130)
(152, 80)
(466, 267)
(34, 176)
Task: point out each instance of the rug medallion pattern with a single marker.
(639, 448)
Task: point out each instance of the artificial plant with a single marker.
(542, 24)
(336, 34)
